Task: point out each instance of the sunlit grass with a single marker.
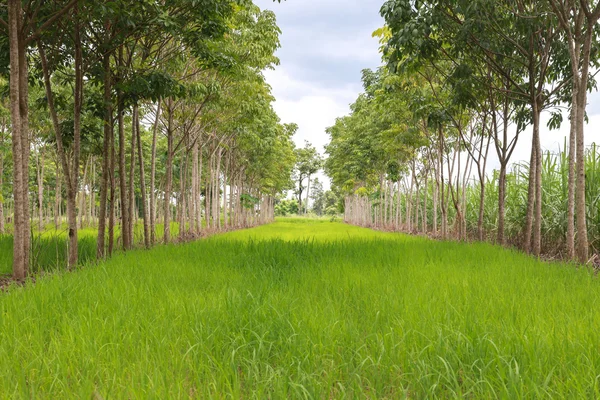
(305, 309)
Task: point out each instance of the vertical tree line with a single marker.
(462, 80)
(144, 121)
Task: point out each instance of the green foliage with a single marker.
(286, 207)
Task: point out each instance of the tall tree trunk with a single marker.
(2, 223)
(113, 189)
(131, 190)
(40, 186)
(169, 175)
(537, 228)
(444, 205)
(307, 195)
(142, 176)
(122, 170)
(78, 105)
(57, 198)
(82, 202)
(19, 141)
(530, 198)
(106, 153)
(570, 239)
(580, 210)
(153, 176)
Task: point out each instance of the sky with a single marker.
(325, 44)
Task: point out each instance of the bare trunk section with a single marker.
(136, 125)
(106, 168)
(570, 238)
(131, 190)
(2, 132)
(169, 175)
(19, 142)
(40, 189)
(153, 176)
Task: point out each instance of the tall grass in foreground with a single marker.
(301, 309)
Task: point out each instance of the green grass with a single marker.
(49, 249)
(305, 309)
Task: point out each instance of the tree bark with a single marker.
(153, 176)
(19, 141)
(142, 177)
(570, 239)
(40, 187)
(169, 175)
(2, 223)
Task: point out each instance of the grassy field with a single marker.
(305, 309)
(49, 248)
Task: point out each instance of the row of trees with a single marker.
(463, 79)
(127, 110)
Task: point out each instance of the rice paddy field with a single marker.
(305, 309)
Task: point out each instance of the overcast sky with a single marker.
(324, 46)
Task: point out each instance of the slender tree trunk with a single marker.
(142, 176)
(106, 152)
(131, 191)
(113, 189)
(537, 228)
(19, 142)
(580, 210)
(40, 187)
(153, 176)
(169, 175)
(57, 198)
(442, 198)
(570, 239)
(122, 169)
(82, 202)
(307, 195)
(530, 198)
(78, 105)
(2, 223)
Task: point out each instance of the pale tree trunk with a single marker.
(199, 186)
(570, 239)
(425, 194)
(442, 196)
(78, 100)
(169, 175)
(113, 196)
(82, 202)
(142, 176)
(153, 176)
(122, 169)
(40, 186)
(92, 197)
(106, 152)
(217, 195)
(2, 223)
(580, 206)
(20, 140)
(57, 198)
(131, 190)
(307, 195)
(530, 198)
(195, 193)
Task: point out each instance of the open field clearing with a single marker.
(305, 309)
